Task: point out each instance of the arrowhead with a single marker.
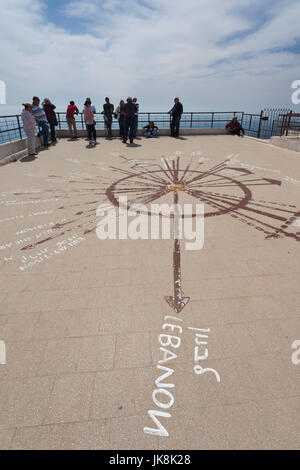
(278, 182)
(177, 304)
(241, 170)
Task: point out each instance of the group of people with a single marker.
(44, 117)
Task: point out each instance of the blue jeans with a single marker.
(135, 127)
(122, 126)
(152, 134)
(44, 130)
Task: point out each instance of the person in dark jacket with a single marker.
(234, 127)
(108, 109)
(49, 108)
(130, 111)
(176, 113)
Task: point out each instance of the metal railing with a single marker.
(287, 125)
(11, 126)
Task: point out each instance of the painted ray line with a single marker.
(168, 167)
(144, 176)
(246, 216)
(246, 208)
(196, 184)
(213, 171)
(186, 170)
(252, 202)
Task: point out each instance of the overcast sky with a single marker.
(214, 54)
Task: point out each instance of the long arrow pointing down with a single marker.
(177, 302)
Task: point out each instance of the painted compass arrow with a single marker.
(224, 189)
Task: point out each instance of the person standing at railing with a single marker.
(108, 109)
(29, 123)
(49, 108)
(136, 118)
(130, 110)
(89, 112)
(176, 113)
(41, 118)
(234, 127)
(120, 115)
(71, 111)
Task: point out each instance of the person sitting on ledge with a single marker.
(234, 127)
(151, 130)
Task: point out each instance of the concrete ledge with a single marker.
(290, 143)
(13, 151)
(12, 148)
(115, 132)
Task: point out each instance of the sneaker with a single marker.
(124, 141)
(131, 141)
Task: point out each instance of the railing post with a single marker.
(212, 119)
(250, 123)
(259, 126)
(59, 126)
(19, 127)
(191, 120)
(81, 116)
(288, 124)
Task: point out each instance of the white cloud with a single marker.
(152, 49)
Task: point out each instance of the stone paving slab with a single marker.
(83, 319)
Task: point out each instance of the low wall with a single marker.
(115, 132)
(19, 146)
(290, 143)
(12, 147)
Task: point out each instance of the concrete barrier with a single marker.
(165, 132)
(290, 143)
(12, 147)
(12, 151)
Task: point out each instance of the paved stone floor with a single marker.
(81, 317)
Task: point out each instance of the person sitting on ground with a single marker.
(234, 127)
(29, 123)
(151, 130)
(89, 112)
(71, 111)
(41, 119)
(49, 108)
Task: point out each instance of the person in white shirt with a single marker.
(89, 112)
(29, 122)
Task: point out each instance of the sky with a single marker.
(215, 55)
